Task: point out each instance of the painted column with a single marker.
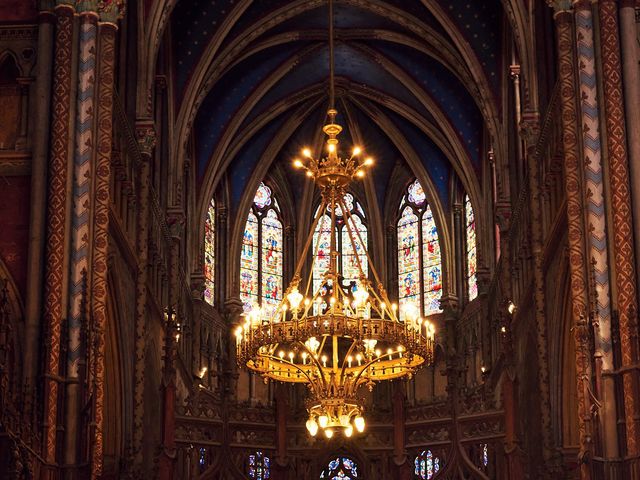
(400, 463)
(576, 232)
(624, 255)
(81, 231)
(596, 228)
(145, 133)
(631, 83)
(56, 222)
(530, 130)
(281, 430)
(107, 30)
(46, 21)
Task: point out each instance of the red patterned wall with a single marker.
(14, 226)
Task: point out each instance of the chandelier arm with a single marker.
(373, 268)
(307, 244)
(323, 208)
(277, 359)
(370, 363)
(344, 362)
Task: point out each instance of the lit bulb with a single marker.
(294, 298)
(323, 421)
(360, 173)
(357, 151)
(359, 423)
(306, 152)
(344, 420)
(368, 161)
(312, 426)
(281, 354)
(328, 432)
(239, 332)
(378, 352)
(331, 147)
(348, 431)
(503, 329)
(203, 370)
(297, 163)
(291, 357)
(511, 308)
(309, 173)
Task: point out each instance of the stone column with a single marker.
(33, 303)
(56, 223)
(399, 452)
(597, 239)
(530, 130)
(631, 83)
(107, 30)
(459, 253)
(233, 310)
(281, 428)
(81, 241)
(575, 223)
(624, 255)
(145, 133)
(22, 140)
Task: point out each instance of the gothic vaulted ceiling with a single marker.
(417, 82)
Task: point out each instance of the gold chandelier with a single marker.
(337, 338)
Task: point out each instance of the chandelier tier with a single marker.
(339, 337)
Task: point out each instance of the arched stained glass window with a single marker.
(426, 465)
(210, 253)
(259, 466)
(350, 252)
(340, 468)
(261, 257)
(472, 261)
(419, 259)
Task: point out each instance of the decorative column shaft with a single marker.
(597, 239)
(146, 141)
(106, 66)
(624, 255)
(576, 232)
(530, 129)
(56, 222)
(631, 83)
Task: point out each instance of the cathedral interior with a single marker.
(197, 282)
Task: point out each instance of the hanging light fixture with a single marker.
(338, 338)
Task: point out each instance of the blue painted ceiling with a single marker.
(411, 87)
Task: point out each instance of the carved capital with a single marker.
(530, 127)
(146, 137)
(559, 6)
(175, 221)
(111, 10)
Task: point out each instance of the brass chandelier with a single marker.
(337, 338)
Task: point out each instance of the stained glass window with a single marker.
(210, 253)
(348, 256)
(419, 258)
(426, 465)
(340, 468)
(259, 466)
(261, 257)
(470, 223)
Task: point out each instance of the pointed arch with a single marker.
(261, 256)
(419, 258)
(471, 248)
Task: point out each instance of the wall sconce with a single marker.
(511, 307)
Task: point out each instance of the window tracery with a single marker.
(259, 466)
(340, 468)
(261, 257)
(419, 258)
(210, 253)
(427, 465)
(471, 247)
(349, 253)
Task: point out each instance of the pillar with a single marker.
(146, 137)
(575, 224)
(623, 245)
(56, 236)
(631, 83)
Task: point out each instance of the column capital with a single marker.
(111, 11)
(146, 137)
(530, 127)
(560, 6)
